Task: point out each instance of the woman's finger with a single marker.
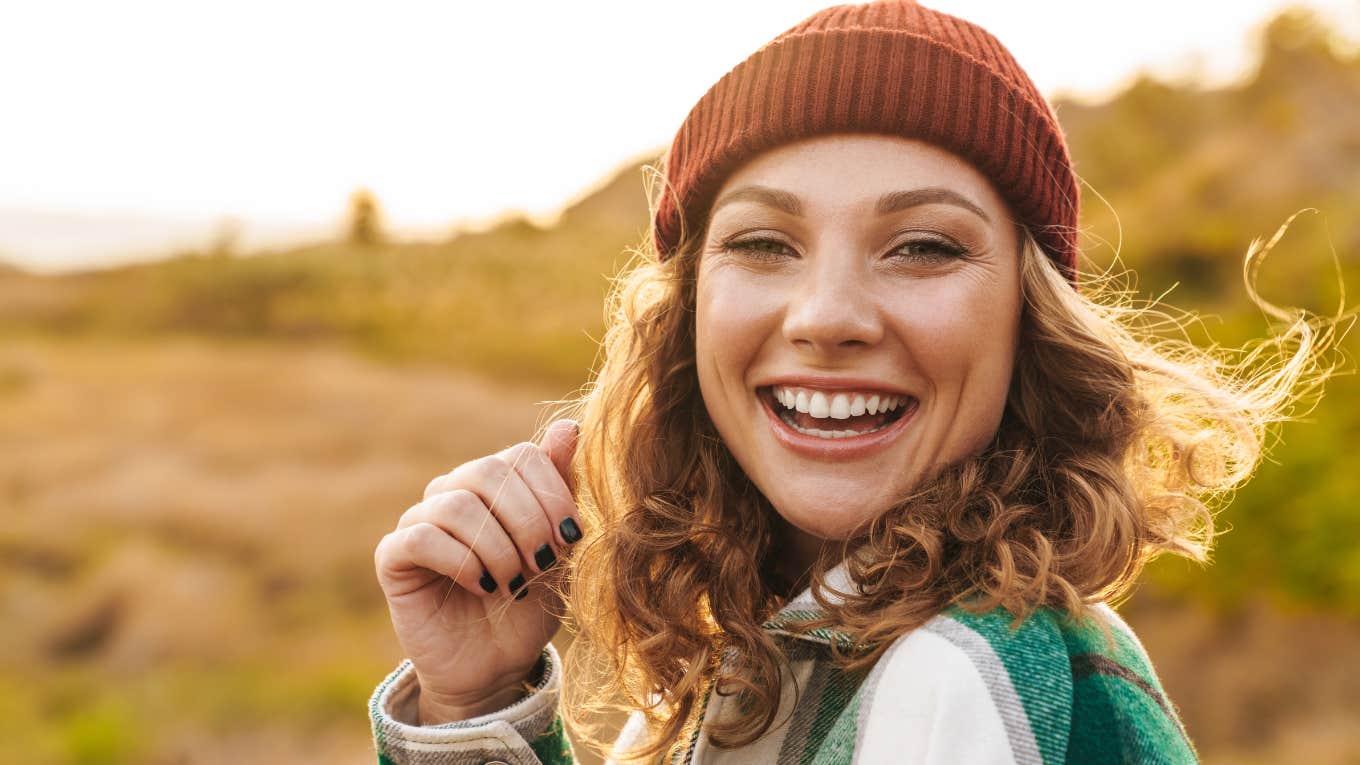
(463, 515)
(559, 443)
(550, 488)
(521, 515)
(427, 546)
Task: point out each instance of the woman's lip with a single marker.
(835, 384)
(836, 449)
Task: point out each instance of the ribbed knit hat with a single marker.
(889, 67)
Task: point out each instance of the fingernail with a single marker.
(522, 593)
(487, 582)
(544, 557)
(570, 531)
(517, 582)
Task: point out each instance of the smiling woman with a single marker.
(863, 462)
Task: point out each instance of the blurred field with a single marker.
(187, 552)
(198, 456)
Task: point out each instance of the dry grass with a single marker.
(186, 555)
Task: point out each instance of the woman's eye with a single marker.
(929, 249)
(761, 249)
(920, 251)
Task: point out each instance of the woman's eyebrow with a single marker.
(891, 202)
(894, 201)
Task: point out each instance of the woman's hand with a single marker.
(456, 571)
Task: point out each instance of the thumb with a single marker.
(559, 441)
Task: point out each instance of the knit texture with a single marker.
(499, 736)
(891, 67)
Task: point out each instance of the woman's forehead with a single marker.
(869, 173)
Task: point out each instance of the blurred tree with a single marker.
(1298, 33)
(226, 241)
(365, 219)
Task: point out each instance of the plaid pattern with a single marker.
(500, 736)
(963, 688)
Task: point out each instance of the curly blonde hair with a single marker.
(1116, 441)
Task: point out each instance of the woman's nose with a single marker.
(831, 308)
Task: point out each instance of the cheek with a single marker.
(964, 341)
(731, 322)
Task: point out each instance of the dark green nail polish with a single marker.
(570, 531)
(517, 582)
(487, 582)
(544, 557)
(522, 593)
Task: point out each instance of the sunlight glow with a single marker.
(273, 113)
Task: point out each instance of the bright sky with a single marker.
(165, 114)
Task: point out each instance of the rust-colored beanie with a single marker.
(890, 67)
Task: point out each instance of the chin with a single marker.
(846, 517)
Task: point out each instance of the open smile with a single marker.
(844, 437)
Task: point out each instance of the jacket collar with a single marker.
(837, 584)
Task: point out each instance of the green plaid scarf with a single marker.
(962, 688)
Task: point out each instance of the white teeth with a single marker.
(857, 406)
(831, 433)
(819, 407)
(837, 406)
(840, 406)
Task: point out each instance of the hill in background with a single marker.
(1186, 179)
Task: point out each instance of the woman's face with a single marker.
(841, 275)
